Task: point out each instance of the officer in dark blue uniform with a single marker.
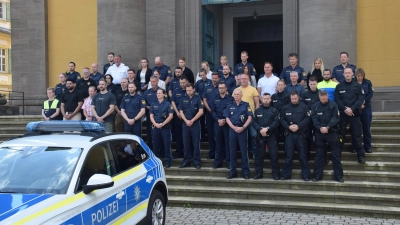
(349, 96)
(224, 61)
(161, 114)
(132, 110)
(266, 122)
(295, 118)
(309, 98)
(325, 117)
(150, 96)
(294, 85)
(62, 86)
(165, 71)
(366, 116)
(72, 73)
(190, 109)
(200, 86)
(229, 80)
(285, 75)
(221, 128)
(280, 99)
(238, 116)
(210, 92)
(174, 84)
(177, 95)
(338, 71)
(240, 66)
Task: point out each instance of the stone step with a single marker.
(237, 193)
(12, 130)
(26, 118)
(371, 176)
(347, 165)
(287, 206)
(293, 184)
(385, 131)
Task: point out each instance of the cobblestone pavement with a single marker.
(181, 216)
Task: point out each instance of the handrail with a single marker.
(10, 96)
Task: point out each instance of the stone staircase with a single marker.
(371, 189)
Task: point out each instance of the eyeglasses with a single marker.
(85, 72)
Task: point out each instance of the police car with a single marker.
(72, 172)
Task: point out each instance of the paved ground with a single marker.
(181, 216)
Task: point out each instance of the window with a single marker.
(128, 154)
(2, 60)
(1, 10)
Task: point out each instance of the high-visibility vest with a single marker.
(50, 109)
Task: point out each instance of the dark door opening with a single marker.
(263, 40)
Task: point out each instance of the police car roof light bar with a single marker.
(59, 126)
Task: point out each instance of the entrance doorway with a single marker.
(263, 40)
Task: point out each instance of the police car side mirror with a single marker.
(98, 181)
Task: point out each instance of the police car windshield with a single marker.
(37, 169)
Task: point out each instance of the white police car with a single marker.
(81, 177)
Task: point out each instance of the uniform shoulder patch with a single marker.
(249, 109)
(143, 102)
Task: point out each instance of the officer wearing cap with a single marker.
(285, 75)
(176, 97)
(132, 110)
(150, 96)
(221, 128)
(266, 122)
(295, 118)
(190, 109)
(161, 114)
(238, 116)
(338, 71)
(325, 117)
(309, 98)
(349, 96)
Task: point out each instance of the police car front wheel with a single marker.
(156, 209)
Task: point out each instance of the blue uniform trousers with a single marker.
(221, 144)
(273, 154)
(355, 131)
(135, 129)
(191, 140)
(366, 120)
(295, 141)
(235, 140)
(162, 140)
(148, 130)
(210, 129)
(178, 136)
(331, 138)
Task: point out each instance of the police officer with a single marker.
(238, 116)
(295, 118)
(62, 86)
(349, 96)
(190, 109)
(132, 110)
(285, 75)
(119, 95)
(224, 62)
(221, 128)
(165, 71)
(177, 95)
(325, 117)
(229, 79)
(174, 84)
(200, 86)
(338, 71)
(150, 96)
(240, 66)
(71, 73)
(309, 98)
(208, 96)
(266, 122)
(294, 85)
(51, 107)
(161, 114)
(280, 99)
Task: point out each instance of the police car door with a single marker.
(101, 206)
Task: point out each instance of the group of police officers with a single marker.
(304, 121)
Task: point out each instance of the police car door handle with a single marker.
(120, 194)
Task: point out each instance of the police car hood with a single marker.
(12, 204)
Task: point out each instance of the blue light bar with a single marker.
(60, 125)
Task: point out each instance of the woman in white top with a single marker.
(143, 74)
(204, 65)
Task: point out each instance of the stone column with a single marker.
(29, 52)
(188, 32)
(290, 18)
(326, 29)
(121, 27)
(161, 31)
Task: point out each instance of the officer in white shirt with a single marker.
(267, 83)
(118, 70)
